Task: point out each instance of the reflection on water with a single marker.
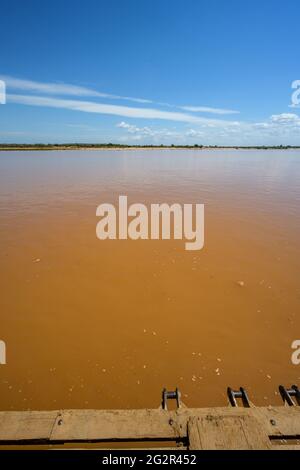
(91, 324)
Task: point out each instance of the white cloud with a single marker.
(194, 133)
(161, 135)
(117, 110)
(140, 132)
(286, 118)
(278, 129)
(132, 129)
(62, 89)
(80, 91)
(205, 109)
(280, 123)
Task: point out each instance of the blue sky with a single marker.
(159, 71)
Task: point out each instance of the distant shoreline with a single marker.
(49, 147)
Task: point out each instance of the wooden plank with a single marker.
(280, 421)
(226, 433)
(112, 425)
(226, 427)
(256, 433)
(218, 433)
(26, 425)
(193, 434)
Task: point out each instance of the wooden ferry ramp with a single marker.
(232, 427)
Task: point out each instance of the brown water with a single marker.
(108, 324)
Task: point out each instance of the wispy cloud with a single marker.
(205, 109)
(63, 89)
(116, 110)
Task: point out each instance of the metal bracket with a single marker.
(242, 394)
(287, 394)
(170, 396)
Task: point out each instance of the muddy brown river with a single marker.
(107, 324)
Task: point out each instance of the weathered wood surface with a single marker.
(26, 425)
(110, 425)
(227, 433)
(207, 428)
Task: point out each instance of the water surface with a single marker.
(108, 324)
